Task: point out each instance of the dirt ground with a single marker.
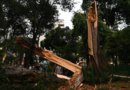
(118, 85)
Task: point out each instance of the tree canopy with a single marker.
(29, 18)
(112, 10)
(60, 41)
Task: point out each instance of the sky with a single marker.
(67, 16)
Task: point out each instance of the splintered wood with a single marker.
(77, 77)
(96, 58)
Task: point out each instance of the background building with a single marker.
(59, 23)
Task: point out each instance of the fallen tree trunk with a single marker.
(77, 77)
(18, 74)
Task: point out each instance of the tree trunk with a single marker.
(96, 58)
(31, 59)
(21, 57)
(26, 59)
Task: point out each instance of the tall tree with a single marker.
(33, 16)
(80, 29)
(95, 59)
(117, 46)
(124, 45)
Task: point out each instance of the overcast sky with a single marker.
(67, 16)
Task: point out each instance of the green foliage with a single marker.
(9, 58)
(104, 79)
(45, 82)
(101, 89)
(79, 23)
(40, 15)
(118, 45)
(112, 10)
(29, 18)
(87, 73)
(122, 69)
(104, 32)
(80, 29)
(124, 45)
(3, 78)
(62, 43)
(50, 69)
(86, 4)
(1, 55)
(71, 89)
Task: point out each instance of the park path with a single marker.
(121, 76)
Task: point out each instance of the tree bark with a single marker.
(96, 58)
